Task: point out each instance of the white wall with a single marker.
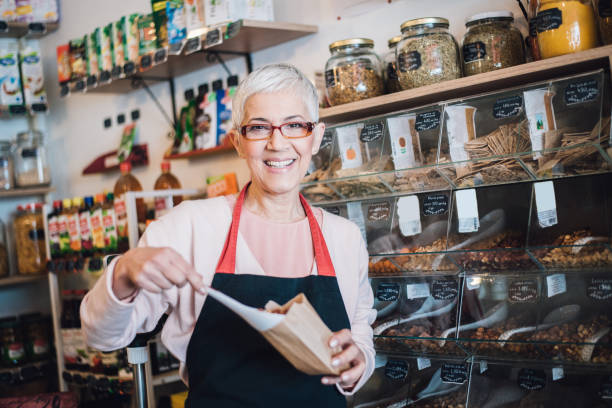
(76, 134)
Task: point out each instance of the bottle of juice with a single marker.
(166, 181)
(110, 223)
(97, 224)
(127, 182)
(62, 225)
(85, 225)
(53, 222)
(72, 218)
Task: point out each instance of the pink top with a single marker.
(283, 250)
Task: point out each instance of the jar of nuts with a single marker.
(491, 42)
(353, 72)
(390, 67)
(427, 53)
(30, 240)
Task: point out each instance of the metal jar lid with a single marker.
(436, 21)
(490, 15)
(358, 42)
(393, 41)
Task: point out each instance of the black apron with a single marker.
(230, 364)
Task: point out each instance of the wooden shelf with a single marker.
(519, 75)
(201, 153)
(13, 29)
(21, 279)
(253, 36)
(26, 192)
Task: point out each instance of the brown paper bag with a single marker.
(302, 337)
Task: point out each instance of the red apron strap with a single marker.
(227, 261)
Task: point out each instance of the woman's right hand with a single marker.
(152, 269)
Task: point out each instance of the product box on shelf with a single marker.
(415, 313)
(11, 98)
(33, 79)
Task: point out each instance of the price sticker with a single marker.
(409, 215)
(556, 284)
(557, 373)
(355, 214)
(467, 210)
(546, 205)
(423, 363)
(484, 366)
(417, 290)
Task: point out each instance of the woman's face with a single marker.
(277, 164)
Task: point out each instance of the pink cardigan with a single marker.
(197, 230)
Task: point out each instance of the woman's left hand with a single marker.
(350, 356)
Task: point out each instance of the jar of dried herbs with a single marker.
(427, 53)
(603, 10)
(353, 72)
(390, 67)
(491, 42)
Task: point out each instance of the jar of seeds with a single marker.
(390, 67)
(491, 42)
(427, 53)
(353, 72)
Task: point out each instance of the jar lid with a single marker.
(501, 15)
(424, 21)
(393, 41)
(359, 42)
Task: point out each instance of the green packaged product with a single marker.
(160, 17)
(118, 39)
(130, 42)
(93, 65)
(105, 51)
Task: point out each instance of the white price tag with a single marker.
(556, 284)
(409, 215)
(483, 366)
(557, 373)
(355, 214)
(467, 210)
(349, 145)
(417, 290)
(473, 282)
(401, 141)
(423, 363)
(545, 203)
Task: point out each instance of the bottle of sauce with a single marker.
(166, 181)
(64, 234)
(97, 225)
(127, 182)
(109, 221)
(72, 219)
(53, 222)
(85, 225)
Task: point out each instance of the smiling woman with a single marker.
(267, 244)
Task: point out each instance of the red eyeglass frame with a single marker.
(309, 128)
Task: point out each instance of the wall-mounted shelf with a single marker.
(21, 280)
(13, 29)
(26, 192)
(200, 153)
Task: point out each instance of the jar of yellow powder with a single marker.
(566, 26)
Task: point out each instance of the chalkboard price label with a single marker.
(435, 204)
(507, 107)
(600, 289)
(523, 290)
(454, 373)
(388, 291)
(396, 369)
(372, 132)
(427, 121)
(581, 91)
(531, 380)
(444, 289)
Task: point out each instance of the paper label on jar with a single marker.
(557, 373)
(402, 149)
(121, 216)
(330, 78)
(546, 205)
(475, 51)
(531, 380)
(556, 284)
(349, 145)
(550, 19)
(467, 211)
(396, 369)
(423, 363)
(409, 216)
(409, 61)
(355, 214)
(417, 290)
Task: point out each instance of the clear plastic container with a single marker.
(6, 165)
(30, 240)
(353, 72)
(491, 42)
(30, 160)
(390, 66)
(427, 53)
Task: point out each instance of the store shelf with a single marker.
(26, 192)
(253, 36)
(21, 280)
(28, 30)
(504, 78)
(200, 153)
(166, 378)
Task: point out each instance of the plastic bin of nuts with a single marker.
(319, 170)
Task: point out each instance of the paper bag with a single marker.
(302, 337)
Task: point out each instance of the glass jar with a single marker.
(6, 165)
(37, 339)
(11, 342)
(427, 53)
(4, 266)
(491, 42)
(31, 166)
(390, 67)
(565, 26)
(30, 240)
(603, 10)
(353, 72)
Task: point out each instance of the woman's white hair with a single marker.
(275, 78)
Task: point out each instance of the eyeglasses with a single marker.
(290, 130)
